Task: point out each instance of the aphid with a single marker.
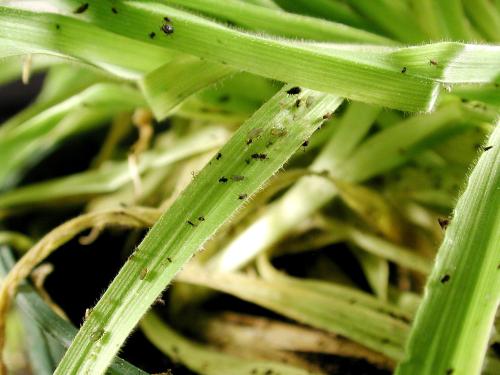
(87, 313)
(167, 29)
(169, 259)
(327, 116)
(443, 223)
(259, 156)
(58, 26)
(305, 144)
(237, 178)
(403, 70)
(294, 90)
(201, 218)
(247, 161)
(219, 155)
(159, 301)
(143, 274)
(114, 10)
(297, 103)
(433, 62)
(166, 19)
(445, 279)
(152, 34)
(191, 223)
(242, 196)
(223, 180)
(97, 334)
(249, 141)
(279, 132)
(486, 148)
(255, 133)
(449, 371)
(82, 8)
(309, 101)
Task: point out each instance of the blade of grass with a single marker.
(463, 291)
(377, 155)
(34, 308)
(206, 360)
(395, 17)
(375, 330)
(28, 142)
(373, 76)
(168, 86)
(194, 217)
(281, 23)
(111, 177)
(484, 17)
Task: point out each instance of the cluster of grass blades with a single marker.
(337, 161)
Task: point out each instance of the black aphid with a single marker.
(486, 148)
(114, 10)
(166, 19)
(159, 301)
(82, 8)
(152, 34)
(443, 223)
(223, 180)
(327, 116)
(445, 279)
(201, 218)
(294, 90)
(167, 29)
(219, 155)
(249, 141)
(169, 259)
(305, 144)
(191, 223)
(259, 156)
(242, 196)
(297, 103)
(403, 70)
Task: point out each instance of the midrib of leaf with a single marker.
(172, 241)
(460, 311)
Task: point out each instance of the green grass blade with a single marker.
(373, 76)
(205, 360)
(281, 23)
(169, 85)
(373, 329)
(216, 193)
(32, 305)
(26, 143)
(485, 18)
(111, 177)
(394, 17)
(463, 291)
(376, 155)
